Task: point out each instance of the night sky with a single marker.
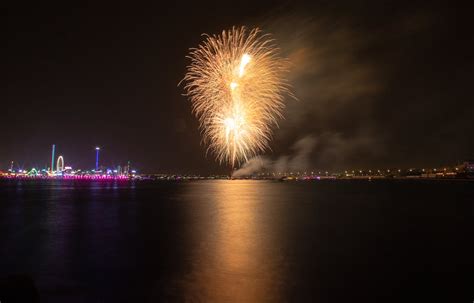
(379, 83)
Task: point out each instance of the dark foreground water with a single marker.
(240, 241)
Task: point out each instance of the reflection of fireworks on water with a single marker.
(236, 83)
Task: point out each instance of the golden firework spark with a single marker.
(236, 83)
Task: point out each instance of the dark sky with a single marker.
(379, 83)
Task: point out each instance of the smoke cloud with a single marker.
(372, 91)
(299, 160)
(329, 125)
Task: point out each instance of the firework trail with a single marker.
(236, 83)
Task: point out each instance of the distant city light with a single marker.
(57, 170)
(464, 170)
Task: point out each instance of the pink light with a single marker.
(66, 177)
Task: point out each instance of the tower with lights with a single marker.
(53, 148)
(97, 149)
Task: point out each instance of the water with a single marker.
(240, 241)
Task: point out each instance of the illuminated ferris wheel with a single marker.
(60, 164)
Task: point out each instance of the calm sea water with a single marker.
(240, 241)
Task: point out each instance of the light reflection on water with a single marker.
(236, 241)
(233, 259)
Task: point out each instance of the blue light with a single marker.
(97, 149)
(52, 158)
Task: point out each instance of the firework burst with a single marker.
(236, 83)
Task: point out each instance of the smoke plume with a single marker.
(299, 160)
